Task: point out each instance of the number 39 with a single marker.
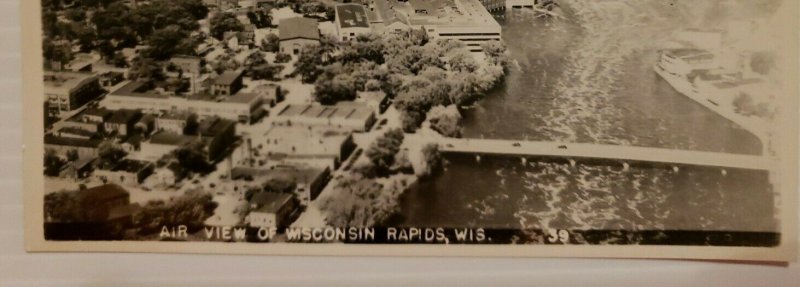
(557, 236)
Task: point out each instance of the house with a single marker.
(190, 65)
(228, 83)
(351, 21)
(126, 172)
(297, 32)
(271, 209)
(352, 115)
(122, 121)
(67, 91)
(176, 121)
(63, 145)
(247, 37)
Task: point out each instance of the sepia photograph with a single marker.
(566, 128)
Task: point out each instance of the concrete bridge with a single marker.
(498, 5)
(624, 154)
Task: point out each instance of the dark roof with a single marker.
(125, 116)
(298, 27)
(63, 141)
(270, 202)
(104, 192)
(215, 126)
(352, 15)
(228, 78)
(242, 98)
(130, 165)
(77, 131)
(100, 112)
(171, 138)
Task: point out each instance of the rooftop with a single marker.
(270, 202)
(215, 126)
(171, 138)
(124, 116)
(342, 110)
(63, 141)
(298, 27)
(130, 165)
(352, 15)
(176, 115)
(66, 80)
(299, 140)
(297, 174)
(227, 78)
(104, 192)
(436, 12)
(242, 98)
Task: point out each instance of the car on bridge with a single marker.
(516, 144)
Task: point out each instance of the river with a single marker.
(588, 78)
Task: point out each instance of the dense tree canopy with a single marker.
(190, 209)
(194, 158)
(224, 22)
(382, 152)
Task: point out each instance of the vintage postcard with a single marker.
(557, 128)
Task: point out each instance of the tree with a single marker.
(382, 152)
(310, 62)
(445, 120)
(146, 69)
(109, 153)
(331, 91)
(190, 209)
(194, 157)
(357, 201)
(119, 60)
(432, 159)
(224, 22)
(270, 43)
(168, 41)
(72, 155)
(495, 52)
(282, 58)
(262, 18)
(53, 163)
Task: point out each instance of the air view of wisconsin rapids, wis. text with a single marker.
(414, 122)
